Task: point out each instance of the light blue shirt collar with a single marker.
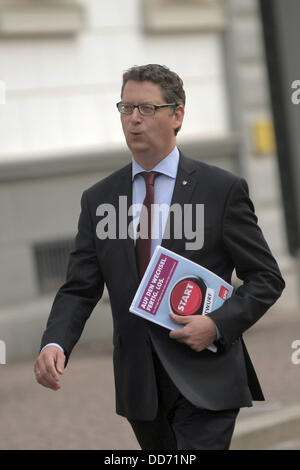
(168, 166)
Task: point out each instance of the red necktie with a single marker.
(143, 242)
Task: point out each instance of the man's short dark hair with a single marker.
(169, 82)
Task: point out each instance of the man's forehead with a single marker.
(144, 88)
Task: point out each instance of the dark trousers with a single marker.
(179, 425)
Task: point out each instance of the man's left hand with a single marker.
(199, 331)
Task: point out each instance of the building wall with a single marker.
(250, 104)
(60, 133)
(61, 91)
(60, 105)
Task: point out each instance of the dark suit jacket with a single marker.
(232, 240)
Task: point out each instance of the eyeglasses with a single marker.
(144, 109)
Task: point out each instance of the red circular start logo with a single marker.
(186, 297)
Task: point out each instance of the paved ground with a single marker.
(81, 415)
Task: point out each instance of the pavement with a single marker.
(82, 414)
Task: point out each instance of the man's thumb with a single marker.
(182, 320)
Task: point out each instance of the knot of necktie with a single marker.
(149, 177)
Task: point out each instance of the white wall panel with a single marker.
(12, 132)
(193, 55)
(111, 118)
(66, 88)
(104, 56)
(20, 63)
(42, 120)
(60, 63)
(205, 114)
(112, 13)
(82, 120)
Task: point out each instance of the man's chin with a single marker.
(135, 146)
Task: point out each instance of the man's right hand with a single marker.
(49, 366)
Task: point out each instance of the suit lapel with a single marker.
(125, 189)
(184, 187)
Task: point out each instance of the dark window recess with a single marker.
(51, 261)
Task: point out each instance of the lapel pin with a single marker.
(184, 182)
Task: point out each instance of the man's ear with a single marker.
(178, 116)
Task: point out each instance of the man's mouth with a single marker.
(135, 135)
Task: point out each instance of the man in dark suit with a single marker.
(175, 392)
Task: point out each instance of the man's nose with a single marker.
(136, 115)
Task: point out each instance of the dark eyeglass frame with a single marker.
(154, 106)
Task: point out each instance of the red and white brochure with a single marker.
(174, 283)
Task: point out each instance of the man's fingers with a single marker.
(48, 383)
(198, 333)
(183, 320)
(54, 361)
(60, 362)
(177, 334)
(181, 334)
(44, 378)
(48, 366)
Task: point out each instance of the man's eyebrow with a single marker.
(143, 102)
